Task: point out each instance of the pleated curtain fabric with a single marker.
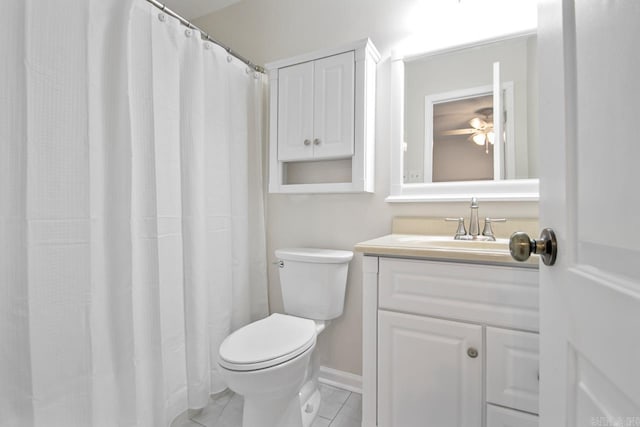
(132, 236)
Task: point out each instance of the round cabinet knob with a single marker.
(317, 141)
(521, 246)
(307, 142)
(472, 352)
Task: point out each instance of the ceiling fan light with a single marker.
(491, 137)
(477, 123)
(479, 138)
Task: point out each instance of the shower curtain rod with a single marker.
(205, 35)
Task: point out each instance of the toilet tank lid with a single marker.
(332, 256)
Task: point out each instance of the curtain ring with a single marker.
(162, 17)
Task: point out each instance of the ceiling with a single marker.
(192, 9)
(455, 114)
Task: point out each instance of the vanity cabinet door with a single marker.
(512, 369)
(505, 417)
(429, 372)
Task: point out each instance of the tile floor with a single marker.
(339, 408)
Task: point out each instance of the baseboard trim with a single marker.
(341, 379)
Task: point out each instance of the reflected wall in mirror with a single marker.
(449, 117)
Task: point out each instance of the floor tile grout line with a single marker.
(330, 421)
(221, 411)
(340, 410)
(224, 407)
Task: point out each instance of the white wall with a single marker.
(267, 30)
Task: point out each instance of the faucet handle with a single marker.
(461, 231)
(487, 231)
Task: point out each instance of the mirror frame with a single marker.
(501, 190)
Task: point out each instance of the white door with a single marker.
(425, 374)
(334, 108)
(589, 177)
(295, 112)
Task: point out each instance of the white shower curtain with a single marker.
(131, 214)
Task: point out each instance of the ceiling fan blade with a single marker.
(458, 132)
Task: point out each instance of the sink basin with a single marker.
(450, 243)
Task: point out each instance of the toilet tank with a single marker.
(313, 281)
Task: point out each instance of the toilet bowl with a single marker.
(271, 362)
(266, 362)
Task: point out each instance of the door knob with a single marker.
(307, 142)
(521, 246)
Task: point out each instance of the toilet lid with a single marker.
(323, 256)
(267, 342)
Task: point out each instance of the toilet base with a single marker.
(263, 411)
(310, 408)
(310, 392)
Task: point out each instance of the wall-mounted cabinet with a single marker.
(322, 113)
(315, 109)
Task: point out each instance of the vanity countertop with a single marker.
(443, 248)
(414, 242)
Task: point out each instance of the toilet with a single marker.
(271, 362)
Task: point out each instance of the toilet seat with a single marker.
(267, 342)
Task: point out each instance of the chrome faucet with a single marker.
(474, 225)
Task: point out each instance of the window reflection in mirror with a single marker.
(449, 116)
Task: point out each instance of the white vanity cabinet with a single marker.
(449, 344)
(322, 113)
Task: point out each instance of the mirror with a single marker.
(448, 143)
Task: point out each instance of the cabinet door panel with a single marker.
(503, 417)
(334, 106)
(295, 112)
(512, 369)
(501, 296)
(425, 376)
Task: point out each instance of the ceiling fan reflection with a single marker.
(481, 130)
